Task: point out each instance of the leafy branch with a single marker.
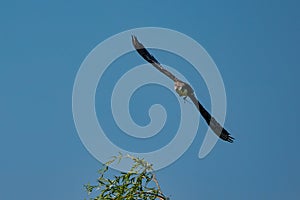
(139, 183)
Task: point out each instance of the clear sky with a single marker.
(255, 45)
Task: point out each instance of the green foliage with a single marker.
(139, 183)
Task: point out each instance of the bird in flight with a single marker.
(184, 90)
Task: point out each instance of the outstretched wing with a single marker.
(149, 58)
(211, 121)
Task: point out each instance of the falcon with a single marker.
(183, 90)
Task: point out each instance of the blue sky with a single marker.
(254, 44)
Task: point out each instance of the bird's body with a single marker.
(184, 90)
